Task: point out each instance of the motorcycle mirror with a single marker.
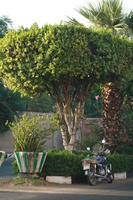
(103, 141)
(88, 148)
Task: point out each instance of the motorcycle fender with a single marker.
(86, 172)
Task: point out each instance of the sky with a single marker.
(26, 12)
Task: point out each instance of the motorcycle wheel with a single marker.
(91, 178)
(110, 178)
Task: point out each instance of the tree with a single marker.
(5, 24)
(9, 102)
(65, 61)
(109, 15)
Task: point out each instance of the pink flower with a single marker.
(97, 97)
(125, 140)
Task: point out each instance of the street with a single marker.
(41, 196)
(119, 190)
(6, 169)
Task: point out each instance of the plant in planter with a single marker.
(30, 134)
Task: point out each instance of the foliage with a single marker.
(43, 103)
(5, 24)
(109, 14)
(7, 98)
(30, 133)
(121, 162)
(95, 136)
(42, 56)
(63, 163)
(35, 70)
(9, 103)
(93, 106)
(5, 114)
(126, 131)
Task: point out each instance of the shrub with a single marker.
(63, 163)
(121, 162)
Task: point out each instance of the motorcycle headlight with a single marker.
(107, 151)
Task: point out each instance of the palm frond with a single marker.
(73, 21)
(108, 13)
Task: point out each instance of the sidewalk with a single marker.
(117, 188)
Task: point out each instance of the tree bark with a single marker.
(71, 92)
(111, 112)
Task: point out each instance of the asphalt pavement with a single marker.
(42, 196)
(6, 170)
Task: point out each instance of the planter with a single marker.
(30, 162)
(3, 155)
(59, 179)
(120, 176)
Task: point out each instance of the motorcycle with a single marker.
(96, 167)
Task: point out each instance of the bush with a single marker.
(63, 163)
(121, 162)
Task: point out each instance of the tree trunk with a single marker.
(69, 115)
(111, 112)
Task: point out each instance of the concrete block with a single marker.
(120, 176)
(59, 179)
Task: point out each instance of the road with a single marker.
(42, 196)
(119, 190)
(6, 169)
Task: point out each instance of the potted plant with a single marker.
(29, 138)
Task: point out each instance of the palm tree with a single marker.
(109, 15)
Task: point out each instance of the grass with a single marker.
(28, 180)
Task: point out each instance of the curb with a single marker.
(120, 176)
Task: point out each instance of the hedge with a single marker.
(63, 163)
(121, 162)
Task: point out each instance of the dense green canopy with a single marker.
(32, 59)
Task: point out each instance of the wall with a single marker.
(55, 141)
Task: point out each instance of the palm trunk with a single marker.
(111, 112)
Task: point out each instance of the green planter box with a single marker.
(3, 155)
(30, 162)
